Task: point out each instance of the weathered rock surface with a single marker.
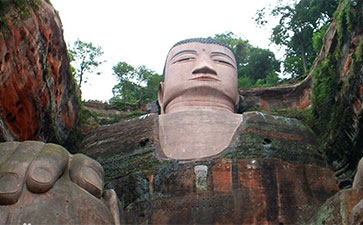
(337, 209)
(356, 216)
(358, 178)
(333, 90)
(338, 91)
(101, 108)
(345, 207)
(123, 137)
(271, 173)
(296, 96)
(38, 97)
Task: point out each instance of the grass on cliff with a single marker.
(87, 116)
(17, 10)
(304, 115)
(334, 93)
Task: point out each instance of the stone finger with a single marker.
(6, 149)
(88, 174)
(113, 204)
(45, 170)
(14, 169)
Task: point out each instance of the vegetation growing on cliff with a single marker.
(19, 10)
(335, 115)
(256, 67)
(336, 91)
(299, 23)
(136, 86)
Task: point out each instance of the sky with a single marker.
(141, 32)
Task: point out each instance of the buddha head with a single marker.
(199, 74)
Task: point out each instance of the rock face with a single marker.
(333, 90)
(337, 209)
(337, 105)
(38, 97)
(290, 97)
(358, 178)
(356, 216)
(345, 207)
(271, 173)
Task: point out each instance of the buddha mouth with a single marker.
(205, 78)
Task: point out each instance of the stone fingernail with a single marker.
(8, 183)
(93, 179)
(41, 175)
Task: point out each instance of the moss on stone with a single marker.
(335, 93)
(22, 9)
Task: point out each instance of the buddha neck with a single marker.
(191, 103)
(198, 105)
(198, 98)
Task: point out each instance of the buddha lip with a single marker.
(204, 78)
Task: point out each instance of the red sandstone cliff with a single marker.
(333, 90)
(296, 96)
(38, 97)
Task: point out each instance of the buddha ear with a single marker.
(239, 100)
(161, 97)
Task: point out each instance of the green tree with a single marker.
(239, 46)
(136, 86)
(253, 63)
(86, 58)
(297, 24)
(261, 63)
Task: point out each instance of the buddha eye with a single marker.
(184, 59)
(224, 62)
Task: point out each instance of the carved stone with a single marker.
(270, 172)
(65, 203)
(196, 134)
(43, 184)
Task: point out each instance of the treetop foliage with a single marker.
(256, 66)
(299, 22)
(86, 58)
(136, 85)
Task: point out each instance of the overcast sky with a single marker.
(141, 32)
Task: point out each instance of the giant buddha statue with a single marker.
(197, 161)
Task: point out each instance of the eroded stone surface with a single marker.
(358, 178)
(287, 97)
(38, 97)
(356, 216)
(337, 209)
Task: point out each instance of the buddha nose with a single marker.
(204, 66)
(204, 69)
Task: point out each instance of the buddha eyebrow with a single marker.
(183, 51)
(221, 53)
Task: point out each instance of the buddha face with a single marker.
(199, 76)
